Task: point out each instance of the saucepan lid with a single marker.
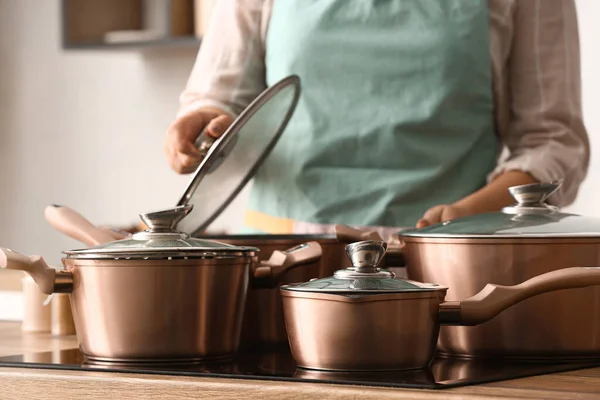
(530, 217)
(162, 241)
(364, 277)
(233, 159)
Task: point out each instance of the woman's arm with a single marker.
(546, 137)
(495, 194)
(228, 74)
(229, 71)
(493, 197)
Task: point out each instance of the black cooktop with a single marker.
(278, 365)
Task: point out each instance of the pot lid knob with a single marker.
(366, 255)
(531, 198)
(165, 220)
(534, 193)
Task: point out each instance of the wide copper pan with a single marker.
(561, 325)
(465, 266)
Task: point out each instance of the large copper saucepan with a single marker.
(160, 295)
(505, 248)
(365, 319)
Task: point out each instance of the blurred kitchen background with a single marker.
(82, 122)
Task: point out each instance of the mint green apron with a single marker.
(396, 112)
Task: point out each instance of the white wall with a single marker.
(80, 128)
(589, 28)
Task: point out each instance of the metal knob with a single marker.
(531, 198)
(165, 220)
(534, 193)
(366, 255)
(204, 142)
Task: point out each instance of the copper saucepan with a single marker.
(506, 248)
(160, 295)
(365, 319)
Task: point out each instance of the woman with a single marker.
(406, 107)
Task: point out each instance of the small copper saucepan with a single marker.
(159, 296)
(366, 319)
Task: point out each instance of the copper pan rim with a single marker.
(158, 263)
(500, 240)
(364, 298)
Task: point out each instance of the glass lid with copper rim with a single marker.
(162, 241)
(530, 217)
(233, 159)
(364, 277)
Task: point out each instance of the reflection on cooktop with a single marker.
(278, 365)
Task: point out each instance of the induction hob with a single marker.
(278, 365)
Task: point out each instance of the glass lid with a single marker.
(161, 241)
(232, 160)
(530, 217)
(364, 276)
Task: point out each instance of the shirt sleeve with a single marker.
(229, 70)
(546, 136)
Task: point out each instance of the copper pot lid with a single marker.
(530, 217)
(364, 277)
(162, 241)
(233, 159)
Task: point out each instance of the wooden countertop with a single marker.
(17, 383)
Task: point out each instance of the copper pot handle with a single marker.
(269, 272)
(494, 299)
(118, 233)
(48, 279)
(76, 226)
(346, 234)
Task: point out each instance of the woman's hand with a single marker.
(441, 213)
(180, 148)
(493, 197)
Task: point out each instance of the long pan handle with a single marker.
(76, 226)
(494, 299)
